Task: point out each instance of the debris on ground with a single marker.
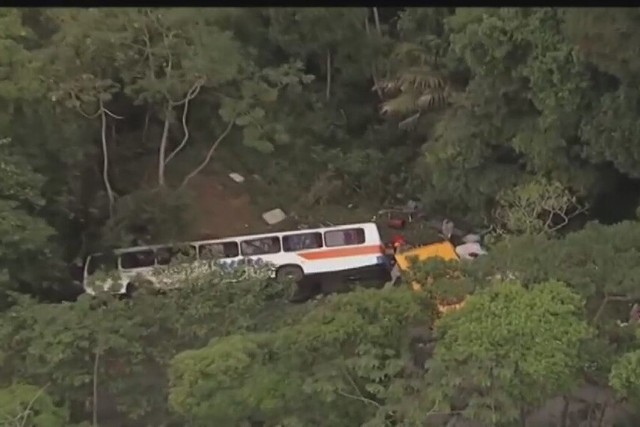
(470, 250)
(236, 177)
(274, 216)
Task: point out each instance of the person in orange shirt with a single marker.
(398, 241)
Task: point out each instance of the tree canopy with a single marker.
(120, 127)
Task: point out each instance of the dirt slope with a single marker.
(224, 208)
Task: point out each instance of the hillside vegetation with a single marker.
(120, 127)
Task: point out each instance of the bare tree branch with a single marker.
(96, 364)
(111, 114)
(566, 218)
(147, 116)
(74, 97)
(608, 298)
(105, 156)
(193, 92)
(376, 85)
(103, 112)
(147, 41)
(360, 396)
(163, 146)
(22, 418)
(210, 153)
(377, 21)
(169, 67)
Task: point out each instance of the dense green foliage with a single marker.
(521, 121)
(492, 351)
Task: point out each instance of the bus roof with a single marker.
(237, 238)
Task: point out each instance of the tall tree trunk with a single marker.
(377, 21)
(146, 126)
(163, 149)
(328, 93)
(603, 413)
(374, 73)
(564, 416)
(523, 417)
(96, 364)
(105, 161)
(193, 92)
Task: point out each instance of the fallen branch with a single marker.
(205, 162)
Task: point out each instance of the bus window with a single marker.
(348, 237)
(182, 253)
(261, 246)
(219, 250)
(137, 259)
(301, 241)
(104, 262)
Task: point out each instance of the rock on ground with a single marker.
(274, 216)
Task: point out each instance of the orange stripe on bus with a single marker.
(343, 252)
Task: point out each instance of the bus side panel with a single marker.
(279, 259)
(348, 257)
(372, 234)
(323, 261)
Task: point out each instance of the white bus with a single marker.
(353, 250)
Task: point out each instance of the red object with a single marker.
(398, 240)
(396, 223)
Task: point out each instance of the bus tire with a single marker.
(130, 290)
(290, 272)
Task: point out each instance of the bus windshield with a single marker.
(102, 262)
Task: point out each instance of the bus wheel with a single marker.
(130, 290)
(290, 272)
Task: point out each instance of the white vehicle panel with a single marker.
(340, 255)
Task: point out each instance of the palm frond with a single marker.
(422, 78)
(402, 104)
(431, 100)
(409, 123)
(416, 87)
(390, 87)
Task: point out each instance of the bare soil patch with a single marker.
(224, 208)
